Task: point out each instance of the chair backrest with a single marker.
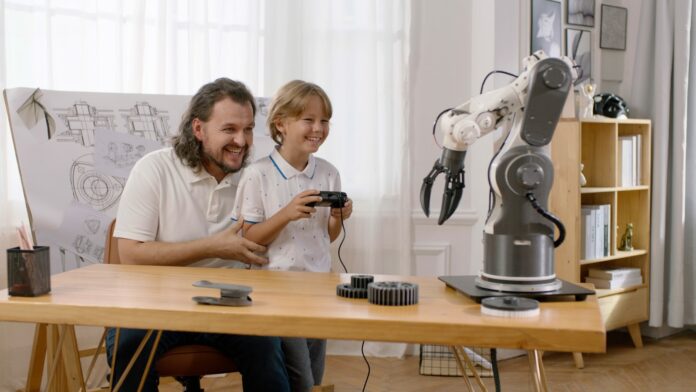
(111, 246)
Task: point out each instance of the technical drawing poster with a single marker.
(75, 151)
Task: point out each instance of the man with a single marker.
(175, 209)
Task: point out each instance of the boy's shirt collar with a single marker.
(287, 171)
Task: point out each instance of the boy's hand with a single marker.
(346, 211)
(298, 209)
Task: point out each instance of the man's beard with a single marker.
(226, 169)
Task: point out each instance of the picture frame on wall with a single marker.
(613, 27)
(546, 27)
(579, 49)
(580, 12)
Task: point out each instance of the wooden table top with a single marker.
(297, 304)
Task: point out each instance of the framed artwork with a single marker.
(613, 32)
(579, 49)
(546, 27)
(580, 12)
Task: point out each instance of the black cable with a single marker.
(491, 194)
(549, 216)
(435, 124)
(492, 73)
(362, 347)
(362, 351)
(494, 365)
(343, 226)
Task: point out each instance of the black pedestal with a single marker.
(466, 284)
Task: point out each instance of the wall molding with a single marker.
(459, 218)
(439, 250)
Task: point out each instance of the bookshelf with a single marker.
(596, 143)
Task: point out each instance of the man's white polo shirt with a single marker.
(165, 200)
(266, 187)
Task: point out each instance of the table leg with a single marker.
(579, 362)
(71, 360)
(38, 358)
(542, 370)
(97, 351)
(462, 368)
(463, 355)
(536, 366)
(56, 374)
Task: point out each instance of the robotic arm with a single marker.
(466, 123)
(521, 173)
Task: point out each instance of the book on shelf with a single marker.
(595, 238)
(606, 213)
(630, 163)
(626, 161)
(614, 273)
(615, 283)
(637, 154)
(588, 233)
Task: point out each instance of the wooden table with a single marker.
(297, 304)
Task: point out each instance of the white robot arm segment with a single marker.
(468, 122)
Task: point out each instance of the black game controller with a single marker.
(330, 199)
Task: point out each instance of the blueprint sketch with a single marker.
(115, 153)
(82, 232)
(80, 121)
(148, 122)
(89, 186)
(75, 151)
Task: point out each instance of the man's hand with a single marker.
(298, 209)
(232, 246)
(344, 212)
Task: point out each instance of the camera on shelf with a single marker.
(330, 199)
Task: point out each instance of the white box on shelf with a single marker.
(614, 273)
(614, 283)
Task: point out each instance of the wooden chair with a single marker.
(186, 363)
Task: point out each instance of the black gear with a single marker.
(347, 291)
(361, 281)
(392, 293)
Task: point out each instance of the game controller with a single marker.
(330, 199)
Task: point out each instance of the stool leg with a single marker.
(462, 368)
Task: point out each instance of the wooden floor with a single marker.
(667, 364)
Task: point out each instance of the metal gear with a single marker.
(392, 293)
(361, 281)
(346, 290)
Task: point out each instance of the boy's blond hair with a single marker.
(291, 100)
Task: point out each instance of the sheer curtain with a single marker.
(357, 51)
(664, 89)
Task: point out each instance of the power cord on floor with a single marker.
(362, 346)
(362, 351)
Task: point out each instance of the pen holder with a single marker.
(28, 271)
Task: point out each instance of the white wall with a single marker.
(454, 44)
(616, 65)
